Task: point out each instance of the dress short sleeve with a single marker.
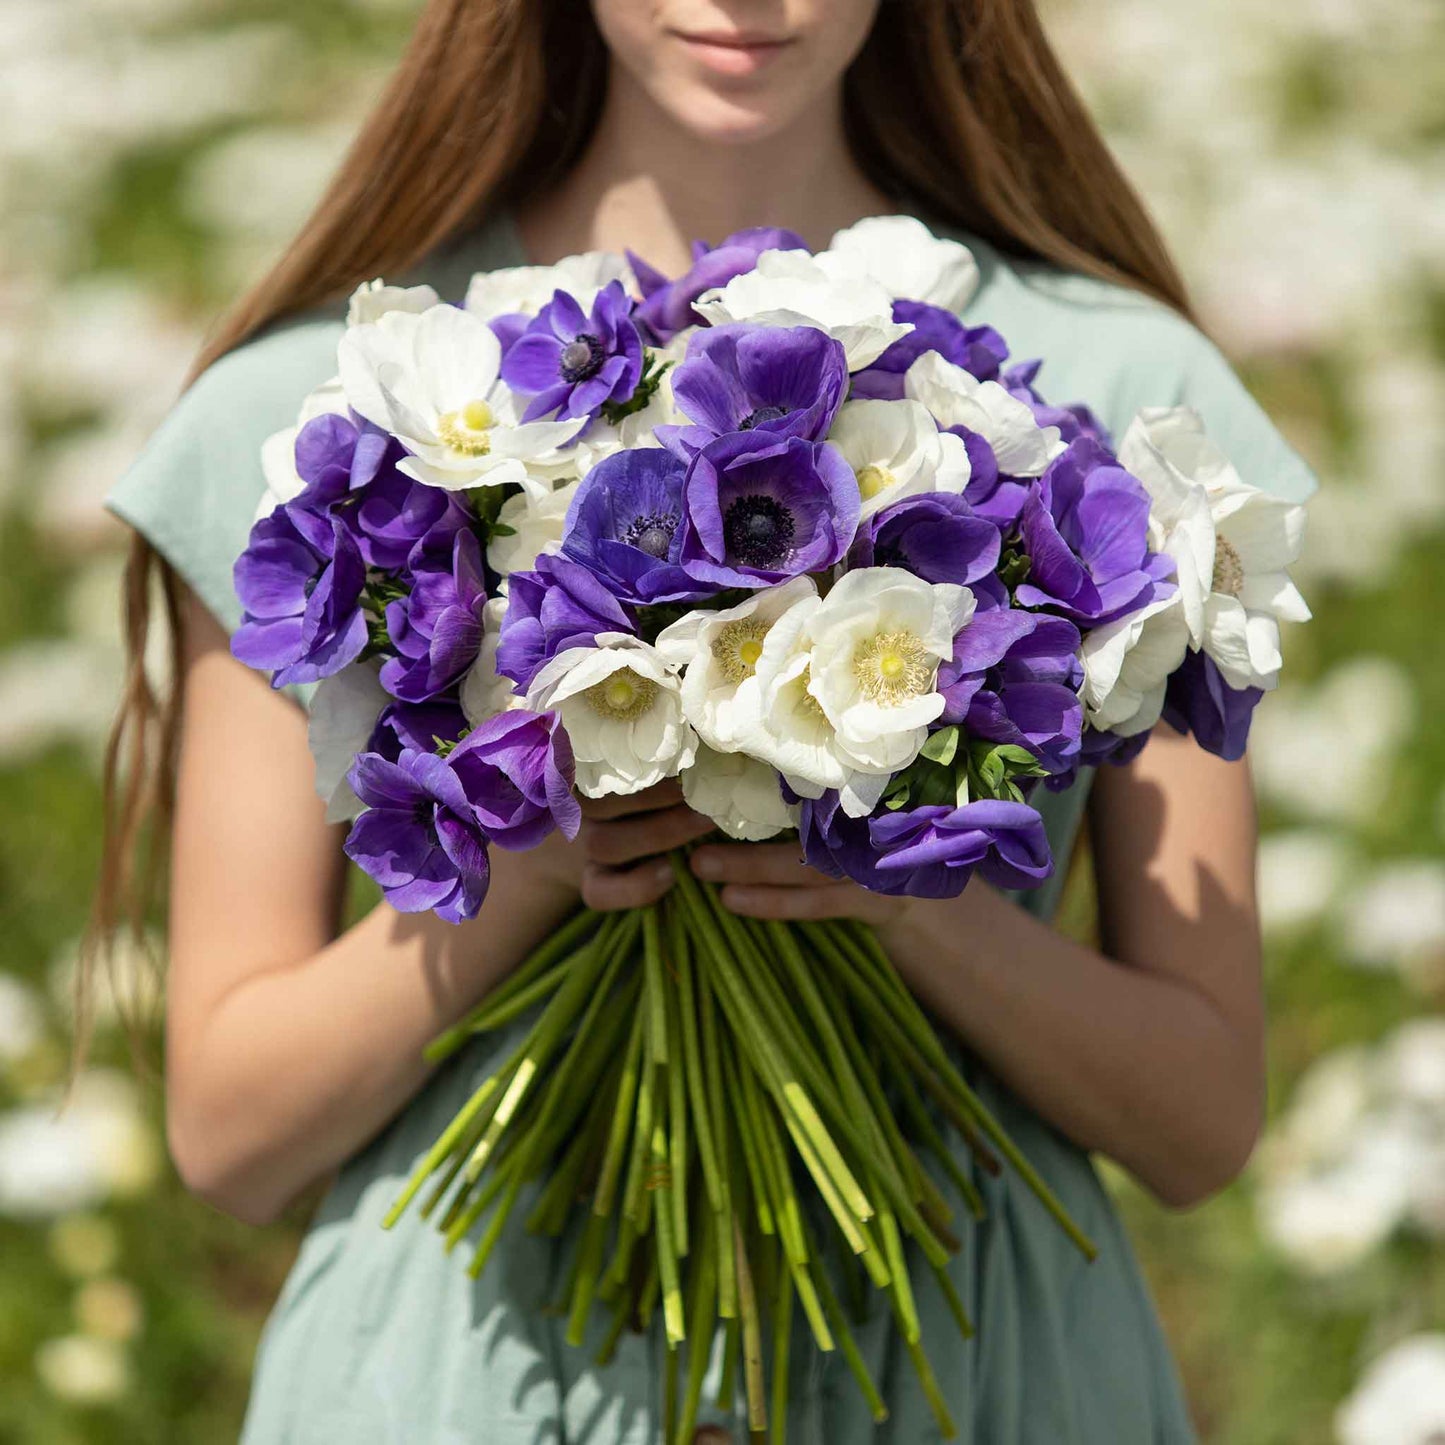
(195, 486)
(1241, 427)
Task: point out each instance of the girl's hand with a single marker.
(771, 880)
(614, 861)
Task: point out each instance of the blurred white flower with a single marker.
(55, 691)
(1301, 875)
(99, 1145)
(84, 1245)
(109, 1309)
(1321, 751)
(129, 985)
(1359, 1152)
(83, 1369)
(22, 1020)
(1400, 1399)
(1396, 919)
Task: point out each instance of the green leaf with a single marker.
(941, 746)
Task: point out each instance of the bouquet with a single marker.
(787, 529)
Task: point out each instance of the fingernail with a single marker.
(705, 865)
(663, 873)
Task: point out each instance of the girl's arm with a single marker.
(288, 1047)
(1151, 1050)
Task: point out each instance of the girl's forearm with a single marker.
(298, 1067)
(1133, 1063)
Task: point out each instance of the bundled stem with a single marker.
(704, 1099)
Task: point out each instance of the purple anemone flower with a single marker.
(936, 849)
(419, 838)
(416, 725)
(1198, 700)
(624, 524)
(928, 852)
(517, 771)
(1013, 678)
(1073, 421)
(559, 604)
(1085, 530)
(572, 363)
(436, 628)
(666, 307)
(300, 584)
(936, 536)
(979, 350)
(788, 380)
(759, 509)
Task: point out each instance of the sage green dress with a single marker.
(380, 1338)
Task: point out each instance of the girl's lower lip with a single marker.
(730, 57)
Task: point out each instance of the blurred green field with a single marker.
(155, 153)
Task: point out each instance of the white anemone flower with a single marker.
(1235, 604)
(905, 257)
(1400, 1399)
(431, 378)
(525, 290)
(342, 714)
(278, 451)
(373, 299)
(956, 397)
(1127, 666)
(621, 705)
(847, 684)
(896, 450)
(484, 691)
(537, 519)
(829, 291)
(739, 793)
(878, 639)
(719, 651)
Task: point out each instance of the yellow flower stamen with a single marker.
(468, 431)
(1228, 569)
(737, 647)
(893, 668)
(874, 479)
(623, 697)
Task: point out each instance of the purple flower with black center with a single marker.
(1085, 531)
(1198, 700)
(416, 725)
(624, 524)
(300, 583)
(936, 536)
(758, 509)
(436, 628)
(559, 604)
(517, 771)
(571, 362)
(419, 838)
(1073, 421)
(980, 350)
(788, 380)
(1013, 678)
(666, 307)
(927, 852)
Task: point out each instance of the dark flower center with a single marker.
(581, 357)
(651, 533)
(424, 815)
(763, 413)
(758, 531)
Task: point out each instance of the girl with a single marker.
(514, 133)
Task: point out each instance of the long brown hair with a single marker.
(958, 104)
